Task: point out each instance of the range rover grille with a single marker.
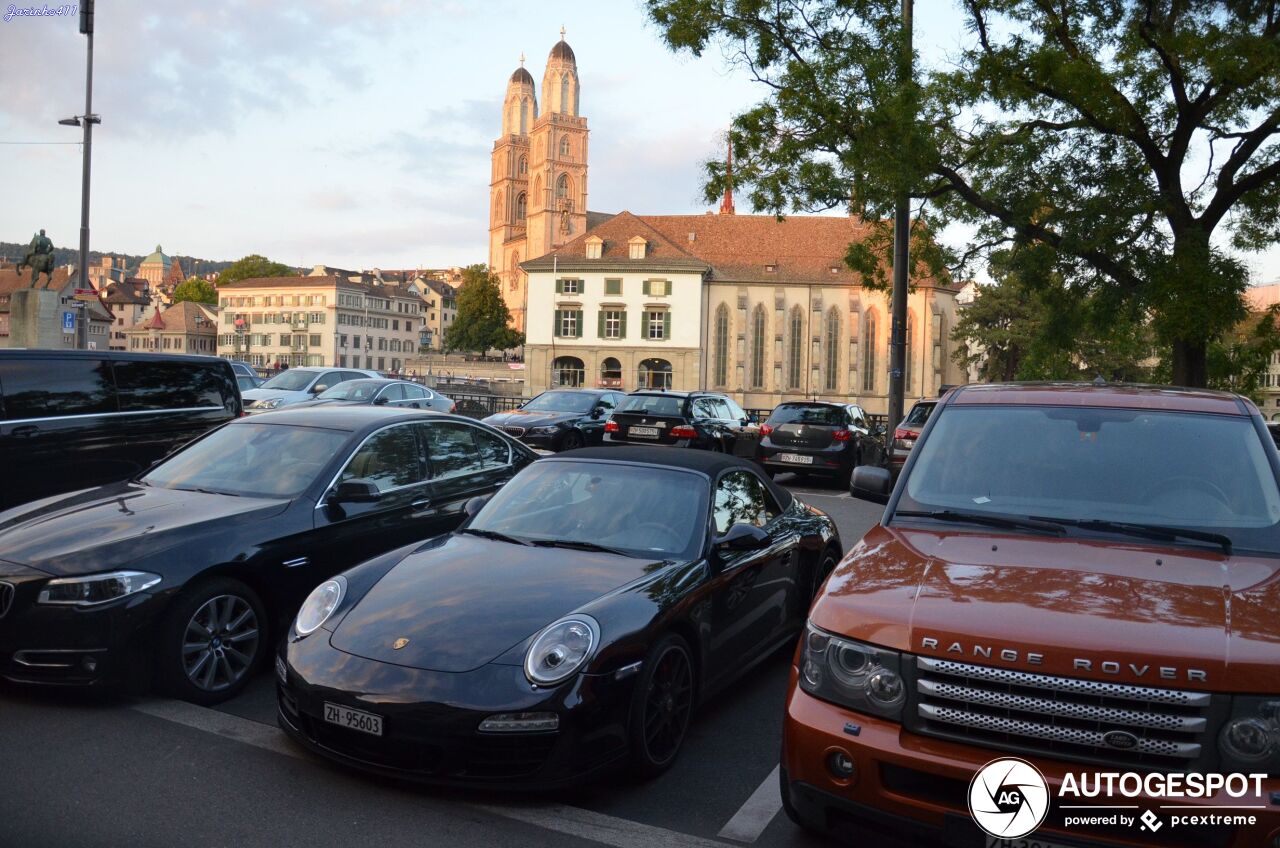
(1089, 720)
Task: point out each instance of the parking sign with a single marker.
(68, 322)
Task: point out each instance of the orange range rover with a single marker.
(1083, 577)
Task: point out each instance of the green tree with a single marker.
(483, 318)
(1134, 138)
(253, 266)
(1238, 362)
(196, 290)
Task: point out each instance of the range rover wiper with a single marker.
(991, 519)
(577, 545)
(493, 534)
(1158, 532)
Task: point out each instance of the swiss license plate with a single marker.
(643, 432)
(353, 719)
(1023, 842)
(796, 458)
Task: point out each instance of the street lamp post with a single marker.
(87, 120)
(901, 260)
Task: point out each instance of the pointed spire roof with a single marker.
(156, 322)
(726, 205)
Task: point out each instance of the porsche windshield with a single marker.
(1163, 469)
(645, 512)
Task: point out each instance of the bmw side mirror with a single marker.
(742, 537)
(871, 483)
(355, 491)
(473, 506)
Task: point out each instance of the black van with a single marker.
(70, 419)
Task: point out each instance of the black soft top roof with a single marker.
(709, 463)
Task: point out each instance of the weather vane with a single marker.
(562, 32)
(522, 58)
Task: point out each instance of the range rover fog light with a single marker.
(840, 765)
(1247, 739)
(520, 723)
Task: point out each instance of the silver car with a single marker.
(295, 385)
(383, 393)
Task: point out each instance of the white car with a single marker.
(298, 384)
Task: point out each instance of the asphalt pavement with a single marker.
(83, 769)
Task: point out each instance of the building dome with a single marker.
(562, 52)
(522, 77)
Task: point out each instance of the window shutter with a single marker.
(556, 330)
(578, 328)
(644, 324)
(622, 325)
(600, 324)
(666, 325)
(648, 287)
(559, 286)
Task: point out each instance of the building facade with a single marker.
(185, 327)
(439, 310)
(538, 179)
(762, 309)
(129, 302)
(320, 319)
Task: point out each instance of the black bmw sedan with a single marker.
(573, 624)
(560, 419)
(186, 571)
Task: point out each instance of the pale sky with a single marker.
(347, 133)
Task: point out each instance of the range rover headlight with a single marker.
(95, 589)
(1252, 735)
(319, 605)
(561, 650)
(852, 674)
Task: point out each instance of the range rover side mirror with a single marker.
(473, 505)
(871, 483)
(742, 537)
(355, 491)
(318, 388)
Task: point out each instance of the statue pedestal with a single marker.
(35, 320)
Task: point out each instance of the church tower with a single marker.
(509, 191)
(558, 165)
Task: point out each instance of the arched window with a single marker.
(564, 93)
(832, 360)
(567, 371)
(869, 342)
(521, 210)
(564, 146)
(562, 190)
(795, 347)
(524, 116)
(720, 374)
(523, 167)
(515, 263)
(758, 350)
(611, 373)
(655, 374)
(499, 209)
(537, 192)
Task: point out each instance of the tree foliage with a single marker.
(483, 319)
(253, 266)
(196, 290)
(1134, 137)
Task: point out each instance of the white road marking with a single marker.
(754, 816)
(560, 818)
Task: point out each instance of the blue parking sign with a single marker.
(68, 322)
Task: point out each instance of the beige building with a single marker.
(765, 310)
(182, 328)
(538, 181)
(439, 310)
(340, 319)
(129, 301)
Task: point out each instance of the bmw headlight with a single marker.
(561, 650)
(544, 431)
(95, 588)
(319, 605)
(852, 674)
(1252, 735)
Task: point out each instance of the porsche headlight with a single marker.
(319, 605)
(852, 674)
(561, 650)
(95, 588)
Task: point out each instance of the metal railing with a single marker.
(482, 406)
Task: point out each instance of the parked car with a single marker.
(381, 392)
(294, 385)
(71, 419)
(705, 420)
(1083, 577)
(561, 419)
(906, 433)
(571, 625)
(242, 369)
(245, 382)
(817, 437)
(192, 569)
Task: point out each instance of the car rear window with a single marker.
(293, 380)
(919, 414)
(808, 413)
(652, 405)
(51, 388)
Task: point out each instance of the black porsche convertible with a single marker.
(572, 624)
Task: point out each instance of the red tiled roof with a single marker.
(185, 317)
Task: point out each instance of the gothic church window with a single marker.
(833, 349)
(795, 347)
(721, 374)
(758, 351)
(521, 210)
(564, 145)
(524, 165)
(562, 188)
(869, 343)
(564, 93)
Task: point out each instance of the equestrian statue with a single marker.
(39, 258)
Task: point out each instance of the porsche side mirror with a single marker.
(871, 483)
(742, 537)
(473, 506)
(355, 491)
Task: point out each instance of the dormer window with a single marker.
(769, 269)
(637, 247)
(594, 245)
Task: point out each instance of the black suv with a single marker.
(71, 419)
(705, 420)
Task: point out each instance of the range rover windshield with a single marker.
(1118, 472)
